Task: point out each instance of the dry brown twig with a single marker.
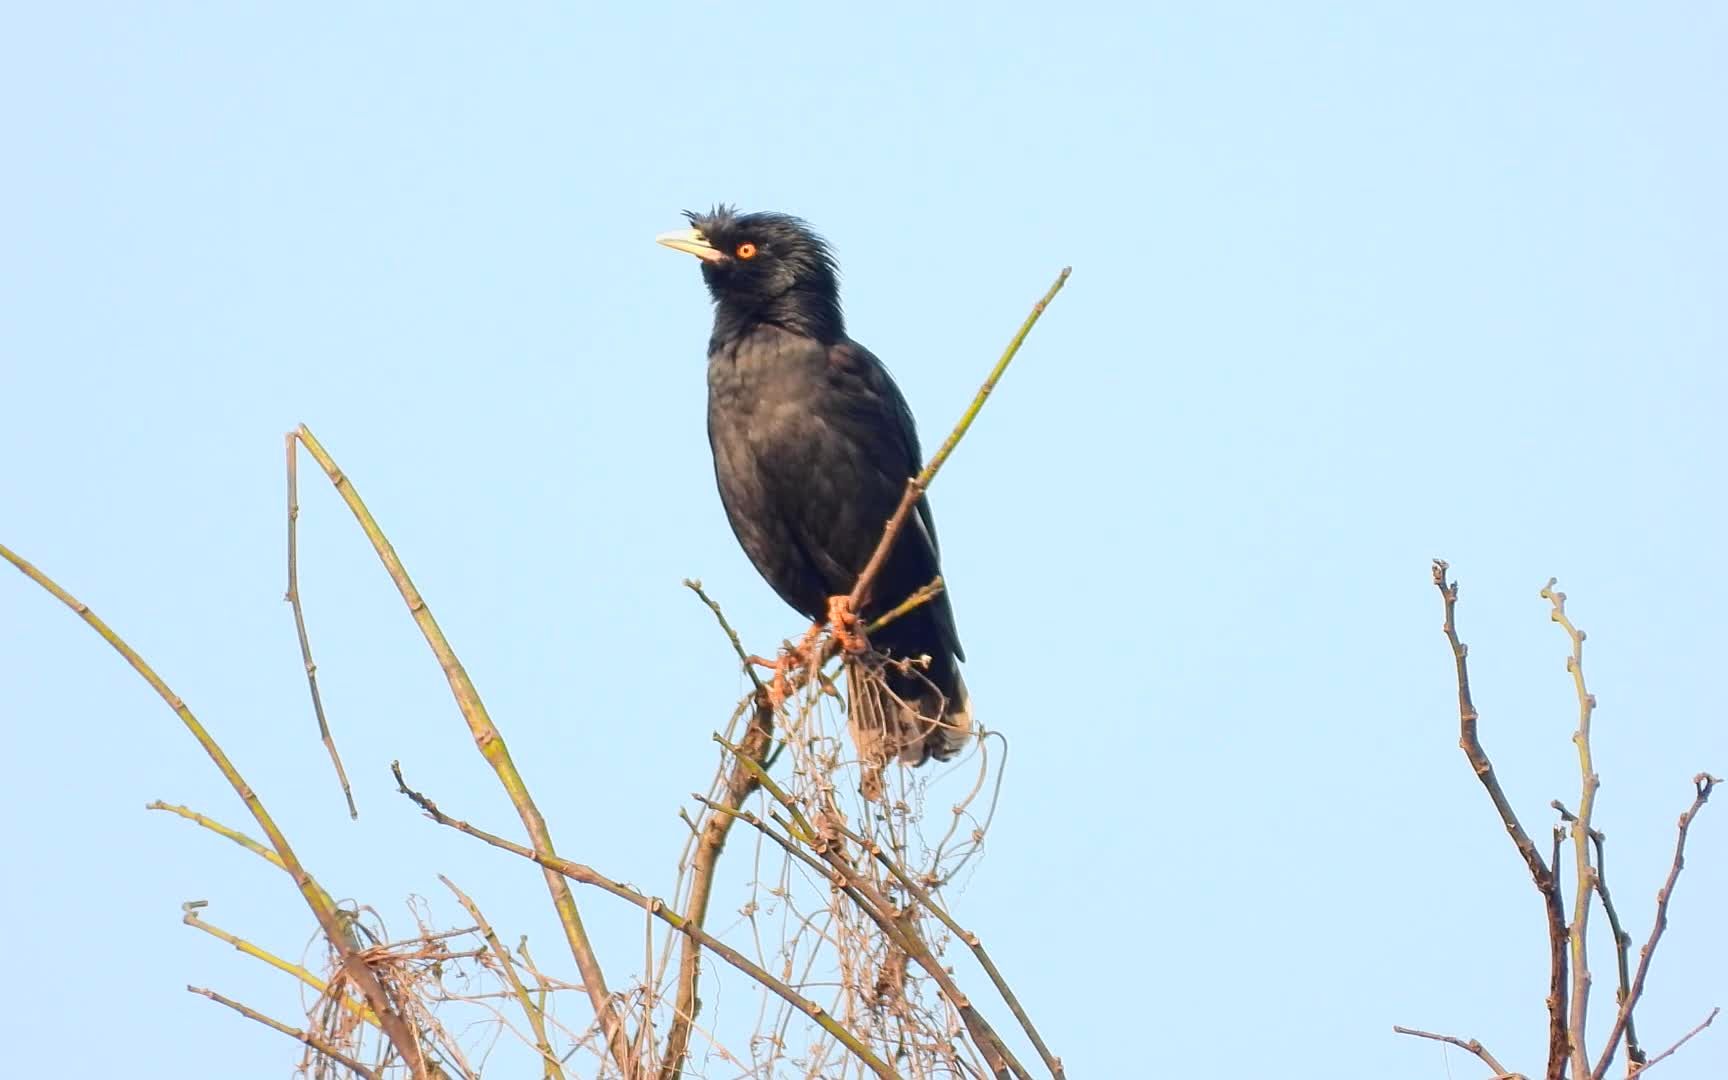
(1639, 1067)
(1469, 740)
(1471, 1045)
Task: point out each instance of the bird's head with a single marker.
(764, 267)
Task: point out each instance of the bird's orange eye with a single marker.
(746, 250)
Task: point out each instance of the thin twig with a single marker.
(293, 598)
(1463, 1044)
(342, 917)
(1585, 885)
(1472, 1045)
(490, 742)
(923, 595)
(1639, 1069)
(541, 982)
(659, 909)
(536, 1018)
(806, 832)
(918, 485)
(399, 1032)
(731, 634)
(220, 830)
(1704, 783)
(306, 1037)
(191, 918)
(1622, 948)
(1546, 883)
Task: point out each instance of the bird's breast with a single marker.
(766, 385)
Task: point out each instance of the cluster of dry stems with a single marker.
(849, 890)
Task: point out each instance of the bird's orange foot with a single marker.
(844, 622)
(804, 656)
(780, 686)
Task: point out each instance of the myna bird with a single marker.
(813, 447)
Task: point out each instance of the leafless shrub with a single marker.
(1569, 977)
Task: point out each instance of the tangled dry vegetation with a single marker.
(846, 935)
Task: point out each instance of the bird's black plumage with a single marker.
(813, 445)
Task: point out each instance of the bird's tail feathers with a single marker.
(897, 711)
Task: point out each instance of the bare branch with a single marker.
(1639, 1069)
(1704, 784)
(1540, 872)
(293, 598)
(1471, 1045)
(220, 830)
(731, 634)
(1585, 885)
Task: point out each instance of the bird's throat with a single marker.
(804, 312)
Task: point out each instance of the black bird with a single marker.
(813, 445)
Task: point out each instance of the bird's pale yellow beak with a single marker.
(691, 241)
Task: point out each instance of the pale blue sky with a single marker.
(1354, 286)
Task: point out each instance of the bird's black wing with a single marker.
(870, 409)
(813, 446)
